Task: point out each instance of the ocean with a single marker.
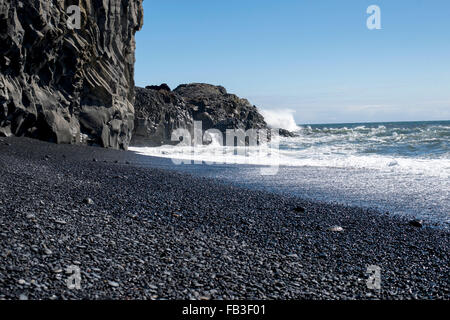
(397, 167)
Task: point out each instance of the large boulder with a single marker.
(65, 84)
(218, 109)
(158, 112)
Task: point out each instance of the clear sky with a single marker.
(314, 57)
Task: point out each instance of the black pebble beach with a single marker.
(143, 233)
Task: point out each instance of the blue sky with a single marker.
(316, 58)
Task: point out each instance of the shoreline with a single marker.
(154, 233)
(351, 186)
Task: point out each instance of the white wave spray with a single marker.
(280, 119)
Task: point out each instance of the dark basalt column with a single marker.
(68, 85)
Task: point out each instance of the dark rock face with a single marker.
(286, 133)
(68, 85)
(158, 112)
(218, 109)
(163, 86)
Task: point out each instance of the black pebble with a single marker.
(416, 223)
(299, 209)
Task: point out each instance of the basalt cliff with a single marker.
(64, 82)
(66, 76)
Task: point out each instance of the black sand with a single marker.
(153, 234)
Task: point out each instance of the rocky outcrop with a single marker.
(163, 86)
(287, 133)
(65, 84)
(218, 109)
(160, 111)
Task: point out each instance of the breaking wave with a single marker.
(280, 119)
(421, 148)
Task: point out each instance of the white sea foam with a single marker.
(280, 119)
(323, 158)
(378, 147)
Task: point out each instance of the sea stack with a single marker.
(160, 110)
